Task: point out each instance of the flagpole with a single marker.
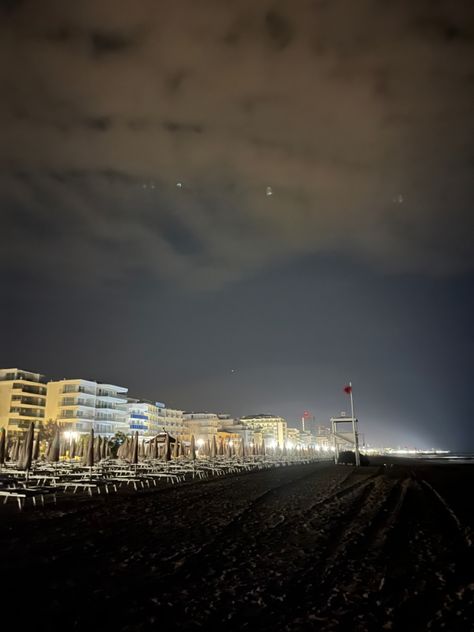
(356, 437)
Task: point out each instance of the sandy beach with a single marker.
(318, 547)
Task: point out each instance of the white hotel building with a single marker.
(79, 405)
(148, 418)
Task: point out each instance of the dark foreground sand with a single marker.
(314, 547)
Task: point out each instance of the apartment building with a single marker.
(151, 418)
(22, 399)
(78, 405)
(172, 420)
(202, 425)
(270, 428)
(235, 429)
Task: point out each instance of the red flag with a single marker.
(348, 389)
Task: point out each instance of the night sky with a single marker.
(240, 206)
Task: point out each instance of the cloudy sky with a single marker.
(239, 206)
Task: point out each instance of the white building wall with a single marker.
(78, 405)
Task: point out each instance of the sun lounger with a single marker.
(21, 495)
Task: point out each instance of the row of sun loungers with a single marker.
(46, 480)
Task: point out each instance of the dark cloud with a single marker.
(379, 115)
(189, 128)
(279, 29)
(10, 6)
(109, 42)
(99, 123)
(444, 27)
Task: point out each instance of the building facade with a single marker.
(203, 425)
(269, 428)
(78, 405)
(22, 399)
(235, 429)
(151, 418)
(172, 421)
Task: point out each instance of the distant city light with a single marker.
(269, 191)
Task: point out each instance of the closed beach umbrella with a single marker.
(221, 447)
(72, 449)
(213, 447)
(167, 454)
(176, 449)
(89, 453)
(53, 452)
(80, 449)
(15, 451)
(27, 455)
(243, 451)
(121, 450)
(192, 449)
(229, 450)
(134, 455)
(127, 453)
(97, 449)
(84, 448)
(21, 450)
(3, 442)
(126, 449)
(105, 444)
(155, 448)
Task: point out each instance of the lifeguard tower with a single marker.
(345, 437)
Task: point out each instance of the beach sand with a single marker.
(313, 547)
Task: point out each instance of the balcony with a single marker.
(62, 417)
(76, 404)
(27, 401)
(111, 410)
(108, 396)
(138, 427)
(31, 413)
(20, 376)
(37, 391)
(78, 390)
